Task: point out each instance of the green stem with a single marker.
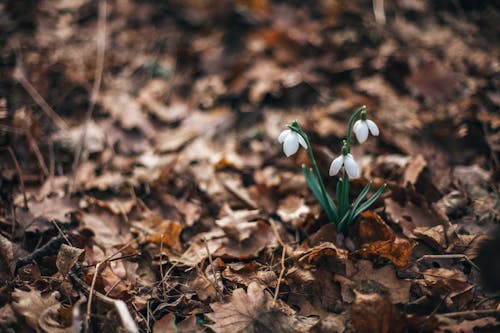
(349, 126)
(296, 128)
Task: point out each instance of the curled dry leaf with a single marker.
(162, 231)
(293, 210)
(434, 237)
(413, 170)
(38, 309)
(261, 236)
(6, 259)
(449, 282)
(374, 313)
(398, 251)
(169, 324)
(372, 228)
(67, 258)
(242, 311)
(246, 273)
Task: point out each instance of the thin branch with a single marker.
(19, 76)
(216, 284)
(283, 255)
(448, 256)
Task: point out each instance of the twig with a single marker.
(86, 322)
(101, 48)
(448, 256)
(283, 254)
(471, 313)
(63, 235)
(126, 319)
(50, 248)
(19, 76)
(94, 278)
(32, 144)
(379, 11)
(20, 174)
(216, 284)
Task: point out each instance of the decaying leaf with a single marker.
(6, 259)
(398, 251)
(242, 311)
(372, 228)
(434, 237)
(67, 257)
(374, 313)
(398, 289)
(38, 309)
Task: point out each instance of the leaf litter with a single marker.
(169, 207)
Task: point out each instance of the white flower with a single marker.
(349, 164)
(361, 128)
(291, 140)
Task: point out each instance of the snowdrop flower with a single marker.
(349, 164)
(362, 126)
(291, 140)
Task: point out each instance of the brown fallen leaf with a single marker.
(67, 257)
(374, 313)
(168, 324)
(293, 210)
(434, 237)
(6, 259)
(260, 235)
(413, 170)
(372, 228)
(398, 251)
(398, 289)
(38, 310)
(162, 231)
(451, 283)
(242, 311)
(410, 216)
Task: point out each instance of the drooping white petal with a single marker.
(301, 140)
(350, 166)
(361, 131)
(283, 135)
(336, 165)
(291, 144)
(372, 126)
(356, 124)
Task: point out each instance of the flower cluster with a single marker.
(343, 215)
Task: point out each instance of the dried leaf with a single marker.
(35, 308)
(67, 257)
(398, 251)
(242, 311)
(434, 237)
(374, 313)
(398, 289)
(372, 228)
(6, 259)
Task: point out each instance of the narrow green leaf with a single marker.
(361, 196)
(370, 201)
(315, 187)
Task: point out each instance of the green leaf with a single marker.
(361, 196)
(315, 187)
(370, 201)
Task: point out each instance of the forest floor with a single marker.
(143, 187)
